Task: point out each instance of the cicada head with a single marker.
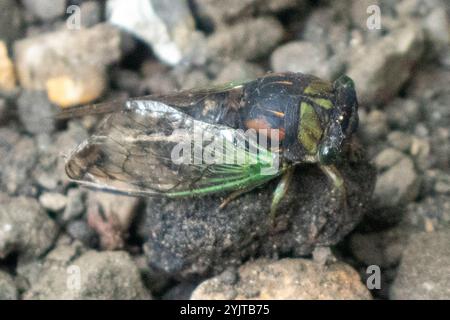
(343, 121)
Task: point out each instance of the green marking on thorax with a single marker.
(324, 103)
(310, 131)
(317, 87)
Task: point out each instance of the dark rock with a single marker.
(181, 291)
(4, 111)
(186, 237)
(80, 230)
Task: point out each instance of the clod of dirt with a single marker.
(187, 237)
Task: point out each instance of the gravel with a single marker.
(11, 20)
(45, 9)
(380, 76)
(423, 272)
(36, 112)
(69, 274)
(18, 157)
(301, 56)
(8, 289)
(391, 191)
(260, 36)
(403, 113)
(399, 192)
(25, 228)
(53, 201)
(69, 65)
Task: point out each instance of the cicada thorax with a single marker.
(291, 108)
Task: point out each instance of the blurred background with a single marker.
(62, 53)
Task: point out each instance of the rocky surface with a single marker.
(8, 289)
(285, 279)
(25, 228)
(49, 58)
(69, 272)
(7, 73)
(301, 56)
(423, 272)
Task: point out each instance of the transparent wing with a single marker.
(184, 98)
(151, 148)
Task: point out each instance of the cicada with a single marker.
(197, 142)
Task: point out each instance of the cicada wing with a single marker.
(91, 109)
(151, 148)
(185, 98)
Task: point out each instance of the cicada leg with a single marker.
(338, 183)
(234, 195)
(280, 191)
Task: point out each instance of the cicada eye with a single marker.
(344, 82)
(328, 154)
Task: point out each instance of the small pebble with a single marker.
(102, 275)
(398, 185)
(54, 202)
(45, 9)
(286, 279)
(7, 73)
(388, 158)
(400, 140)
(301, 56)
